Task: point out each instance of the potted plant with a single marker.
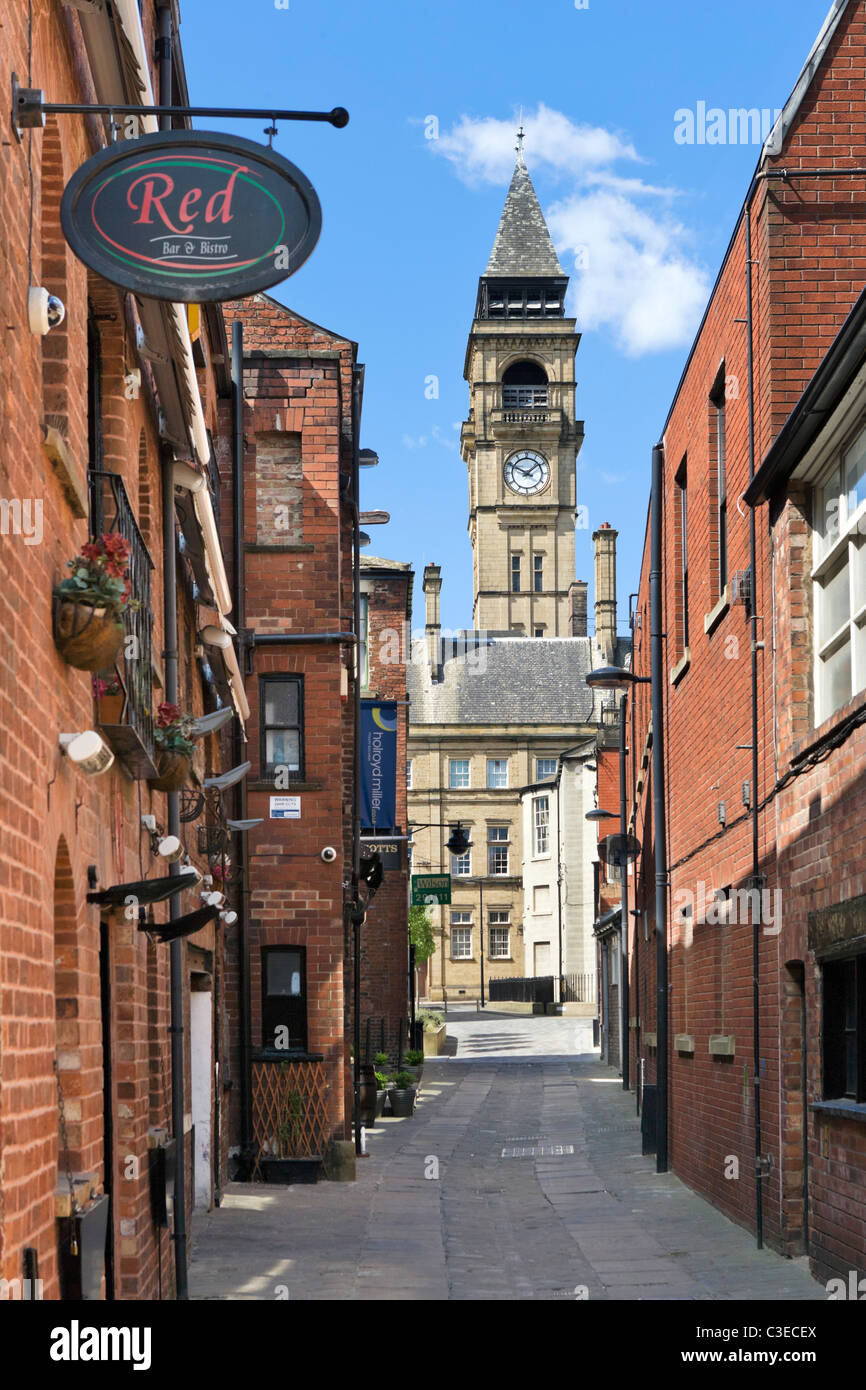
(403, 1094)
(90, 603)
(368, 1087)
(414, 1062)
(383, 1086)
(110, 699)
(175, 748)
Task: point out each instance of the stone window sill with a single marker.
(844, 1109)
(291, 790)
(681, 667)
(715, 615)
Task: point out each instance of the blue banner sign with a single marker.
(378, 765)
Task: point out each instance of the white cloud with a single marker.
(437, 435)
(633, 269)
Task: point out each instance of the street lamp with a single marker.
(619, 678)
(598, 814)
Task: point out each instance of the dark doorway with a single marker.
(107, 1102)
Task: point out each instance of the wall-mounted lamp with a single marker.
(88, 751)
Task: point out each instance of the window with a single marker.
(538, 574)
(538, 632)
(844, 1033)
(461, 935)
(719, 453)
(839, 580)
(497, 850)
(545, 767)
(497, 772)
(284, 998)
(500, 934)
(458, 772)
(681, 518)
(541, 824)
(364, 642)
(525, 383)
(282, 726)
(408, 774)
(515, 574)
(461, 864)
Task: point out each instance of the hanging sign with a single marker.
(430, 888)
(191, 216)
(378, 765)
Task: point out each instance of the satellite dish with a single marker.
(618, 850)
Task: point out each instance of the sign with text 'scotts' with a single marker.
(378, 765)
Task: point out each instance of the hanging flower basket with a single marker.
(174, 748)
(86, 636)
(174, 769)
(89, 604)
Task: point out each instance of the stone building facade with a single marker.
(498, 712)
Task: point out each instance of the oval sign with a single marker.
(191, 216)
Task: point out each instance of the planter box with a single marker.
(434, 1039)
(290, 1170)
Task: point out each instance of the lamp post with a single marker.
(621, 679)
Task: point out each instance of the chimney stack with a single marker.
(604, 543)
(578, 606)
(432, 587)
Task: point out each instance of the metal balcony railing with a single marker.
(110, 510)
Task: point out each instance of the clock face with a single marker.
(527, 472)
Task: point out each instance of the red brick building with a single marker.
(97, 414)
(291, 948)
(386, 598)
(786, 828)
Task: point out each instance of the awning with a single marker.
(146, 890)
(608, 922)
(181, 926)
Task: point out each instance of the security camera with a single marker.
(90, 753)
(45, 311)
(229, 918)
(329, 854)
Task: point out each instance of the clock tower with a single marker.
(521, 440)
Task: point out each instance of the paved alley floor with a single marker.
(519, 1177)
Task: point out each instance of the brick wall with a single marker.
(807, 273)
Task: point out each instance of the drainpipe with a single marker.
(623, 925)
(357, 911)
(240, 798)
(170, 655)
(756, 856)
(659, 824)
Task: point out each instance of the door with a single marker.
(107, 1101)
(201, 1069)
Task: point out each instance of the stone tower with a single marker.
(521, 439)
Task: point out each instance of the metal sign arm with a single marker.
(29, 110)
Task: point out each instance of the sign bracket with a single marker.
(29, 110)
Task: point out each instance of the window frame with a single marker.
(459, 786)
(269, 1046)
(541, 776)
(499, 926)
(839, 1037)
(267, 770)
(515, 575)
(538, 574)
(682, 484)
(537, 825)
(498, 845)
(462, 926)
(497, 786)
(719, 455)
(844, 549)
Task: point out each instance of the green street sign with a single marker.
(430, 888)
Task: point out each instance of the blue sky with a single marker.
(408, 221)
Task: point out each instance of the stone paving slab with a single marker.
(598, 1222)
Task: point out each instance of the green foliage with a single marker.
(381, 1081)
(431, 1019)
(415, 1057)
(403, 1080)
(100, 575)
(381, 1059)
(421, 933)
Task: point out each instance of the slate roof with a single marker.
(523, 247)
(509, 680)
(375, 562)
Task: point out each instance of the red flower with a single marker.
(167, 714)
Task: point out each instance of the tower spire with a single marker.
(520, 138)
